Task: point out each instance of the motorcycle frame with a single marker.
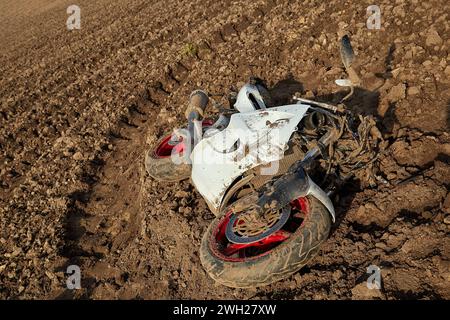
(214, 179)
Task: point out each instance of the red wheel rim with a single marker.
(235, 252)
(165, 149)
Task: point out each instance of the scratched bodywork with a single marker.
(251, 139)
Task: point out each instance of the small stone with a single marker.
(397, 93)
(391, 176)
(337, 275)
(417, 50)
(447, 219)
(362, 292)
(396, 72)
(16, 252)
(408, 55)
(427, 63)
(433, 38)
(51, 275)
(181, 194)
(78, 156)
(309, 94)
(446, 204)
(447, 71)
(399, 11)
(67, 153)
(427, 215)
(380, 245)
(412, 91)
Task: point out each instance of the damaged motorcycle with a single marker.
(267, 172)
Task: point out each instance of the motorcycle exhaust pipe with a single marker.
(198, 100)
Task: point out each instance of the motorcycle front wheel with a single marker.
(271, 259)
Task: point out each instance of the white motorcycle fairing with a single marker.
(251, 139)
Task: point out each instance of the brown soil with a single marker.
(79, 108)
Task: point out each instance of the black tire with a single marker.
(279, 263)
(164, 168)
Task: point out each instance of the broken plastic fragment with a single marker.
(343, 82)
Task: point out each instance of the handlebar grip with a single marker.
(198, 100)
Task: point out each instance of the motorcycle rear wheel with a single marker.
(278, 262)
